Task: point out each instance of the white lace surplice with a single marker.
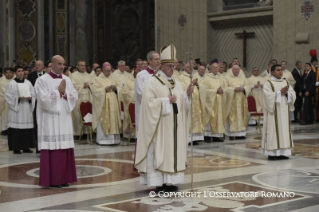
(54, 118)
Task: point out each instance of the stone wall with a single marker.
(194, 33)
(227, 45)
(224, 45)
(288, 22)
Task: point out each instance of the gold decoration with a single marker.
(27, 53)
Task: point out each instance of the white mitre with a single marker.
(168, 54)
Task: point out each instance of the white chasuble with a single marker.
(215, 109)
(257, 93)
(199, 99)
(236, 105)
(20, 111)
(84, 94)
(54, 118)
(276, 133)
(128, 97)
(4, 82)
(106, 112)
(288, 76)
(142, 78)
(164, 131)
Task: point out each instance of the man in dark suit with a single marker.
(296, 73)
(33, 76)
(309, 90)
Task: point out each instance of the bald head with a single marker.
(56, 57)
(57, 64)
(214, 68)
(39, 65)
(235, 70)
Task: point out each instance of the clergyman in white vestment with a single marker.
(161, 153)
(279, 98)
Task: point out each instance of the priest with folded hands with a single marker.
(106, 113)
(20, 97)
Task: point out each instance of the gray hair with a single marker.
(120, 62)
(149, 55)
(255, 67)
(298, 62)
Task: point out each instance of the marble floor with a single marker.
(107, 181)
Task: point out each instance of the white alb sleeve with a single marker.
(278, 98)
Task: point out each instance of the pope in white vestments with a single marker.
(161, 153)
(56, 99)
(279, 98)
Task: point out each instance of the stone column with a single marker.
(12, 28)
(72, 41)
(40, 31)
(3, 34)
(81, 39)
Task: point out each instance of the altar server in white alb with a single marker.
(279, 98)
(161, 153)
(56, 99)
(20, 97)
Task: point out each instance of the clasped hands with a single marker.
(86, 85)
(284, 90)
(220, 91)
(62, 87)
(111, 87)
(239, 89)
(258, 86)
(27, 98)
(189, 91)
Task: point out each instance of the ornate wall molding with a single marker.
(61, 26)
(26, 30)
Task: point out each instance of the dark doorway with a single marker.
(125, 30)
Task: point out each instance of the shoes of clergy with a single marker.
(4, 132)
(17, 152)
(237, 137)
(56, 186)
(27, 151)
(217, 139)
(60, 186)
(281, 157)
(194, 143)
(132, 140)
(166, 188)
(207, 139)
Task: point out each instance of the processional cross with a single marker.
(244, 34)
(191, 55)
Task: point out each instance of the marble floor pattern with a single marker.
(107, 181)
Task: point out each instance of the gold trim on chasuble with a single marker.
(108, 116)
(276, 118)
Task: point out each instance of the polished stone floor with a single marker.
(107, 182)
